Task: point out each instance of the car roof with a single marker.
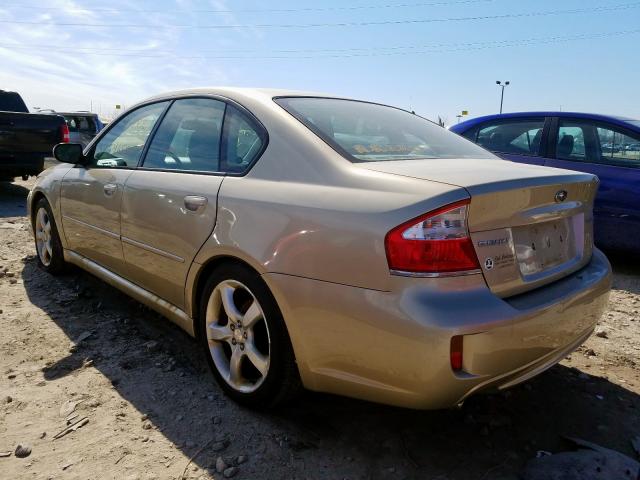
(235, 93)
(616, 119)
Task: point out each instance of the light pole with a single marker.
(502, 85)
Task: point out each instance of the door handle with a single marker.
(194, 202)
(110, 189)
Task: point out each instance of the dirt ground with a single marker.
(74, 348)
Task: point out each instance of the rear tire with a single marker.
(244, 337)
(48, 245)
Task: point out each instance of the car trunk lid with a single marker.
(530, 225)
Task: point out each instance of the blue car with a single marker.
(606, 146)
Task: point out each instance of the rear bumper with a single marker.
(393, 347)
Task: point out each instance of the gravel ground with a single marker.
(75, 352)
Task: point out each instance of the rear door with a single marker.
(91, 196)
(613, 154)
(517, 139)
(169, 205)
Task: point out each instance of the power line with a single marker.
(611, 8)
(264, 10)
(336, 53)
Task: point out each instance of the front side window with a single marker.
(188, 137)
(367, 132)
(518, 137)
(122, 145)
(618, 148)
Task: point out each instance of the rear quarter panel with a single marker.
(329, 233)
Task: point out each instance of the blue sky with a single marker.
(66, 58)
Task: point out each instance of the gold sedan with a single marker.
(340, 245)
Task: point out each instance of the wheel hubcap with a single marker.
(43, 237)
(238, 336)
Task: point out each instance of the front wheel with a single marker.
(48, 245)
(245, 339)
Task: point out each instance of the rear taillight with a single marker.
(435, 243)
(64, 133)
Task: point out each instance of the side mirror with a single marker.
(69, 153)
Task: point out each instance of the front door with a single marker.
(91, 195)
(613, 154)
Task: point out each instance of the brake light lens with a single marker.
(436, 243)
(64, 133)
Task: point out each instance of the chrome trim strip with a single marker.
(401, 273)
(108, 233)
(173, 313)
(151, 249)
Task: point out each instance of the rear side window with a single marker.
(619, 149)
(592, 141)
(368, 132)
(518, 137)
(243, 141)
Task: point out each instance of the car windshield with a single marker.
(368, 132)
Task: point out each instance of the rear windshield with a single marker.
(368, 132)
(82, 124)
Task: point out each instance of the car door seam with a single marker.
(151, 249)
(93, 227)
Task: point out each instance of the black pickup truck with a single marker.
(26, 138)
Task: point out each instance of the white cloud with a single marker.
(51, 66)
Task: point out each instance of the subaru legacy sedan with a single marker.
(606, 146)
(328, 243)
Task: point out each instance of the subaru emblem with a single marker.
(561, 196)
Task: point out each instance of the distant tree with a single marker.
(442, 121)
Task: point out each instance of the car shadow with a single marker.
(13, 200)
(160, 371)
(626, 266)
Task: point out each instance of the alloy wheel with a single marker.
(238, 336)
(43, 237)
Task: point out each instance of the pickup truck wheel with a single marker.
(245, 339)
(48, 245)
